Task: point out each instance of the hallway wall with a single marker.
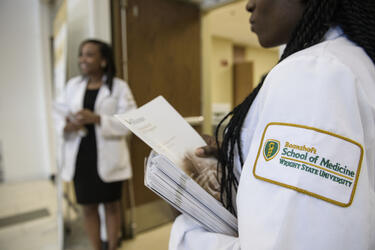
(26, 127)
(86, 19)
(25, 88)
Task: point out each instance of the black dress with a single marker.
(89, 188)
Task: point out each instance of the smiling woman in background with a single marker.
(96, 156)
(297, 161)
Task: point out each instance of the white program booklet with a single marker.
(161, 127)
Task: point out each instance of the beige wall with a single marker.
(25, 91)
(217, 77)
(206, 71)
(221, 80)
(264, 60)
(222, 74)
(221, 30)
(26, 127)
(86, 19)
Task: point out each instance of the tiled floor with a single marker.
(41, 233)
(156, 239)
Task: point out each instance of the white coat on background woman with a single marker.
(113, 153)
(95, 153)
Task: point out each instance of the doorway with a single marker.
(162, 58)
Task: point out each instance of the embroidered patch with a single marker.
(271, 148)
(311, 161)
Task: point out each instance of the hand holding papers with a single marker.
(63, 111)
(204, 171)
(171, 137)
(182, 192)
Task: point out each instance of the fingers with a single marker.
(200, 152)
(203, 171)
(196, 164)
(216, 195)
(69, 127)
(207, 151)
(193, 163)
(79, 117)
(84, 116)
(210, 140)
(208, 181)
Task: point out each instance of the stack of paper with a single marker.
(172, 184)
(160, 126)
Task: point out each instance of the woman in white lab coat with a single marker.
(297, 160)
(95, 155)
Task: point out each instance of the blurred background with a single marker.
(199, 54)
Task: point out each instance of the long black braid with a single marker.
(107, 53)
(355, 17)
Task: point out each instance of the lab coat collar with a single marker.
(102, 94)
(104, 78)
(85, 79)
(333, 33)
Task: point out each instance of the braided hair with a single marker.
(107, 53)
(355, 17)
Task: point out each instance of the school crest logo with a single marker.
(271, 149)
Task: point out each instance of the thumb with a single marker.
(206, 151)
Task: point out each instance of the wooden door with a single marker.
(163, 38)
(242, 81)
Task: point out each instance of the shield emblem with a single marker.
(271, 149)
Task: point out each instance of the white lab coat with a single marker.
(113, 152)
(330, 86)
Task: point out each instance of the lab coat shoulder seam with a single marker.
(324, 57)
